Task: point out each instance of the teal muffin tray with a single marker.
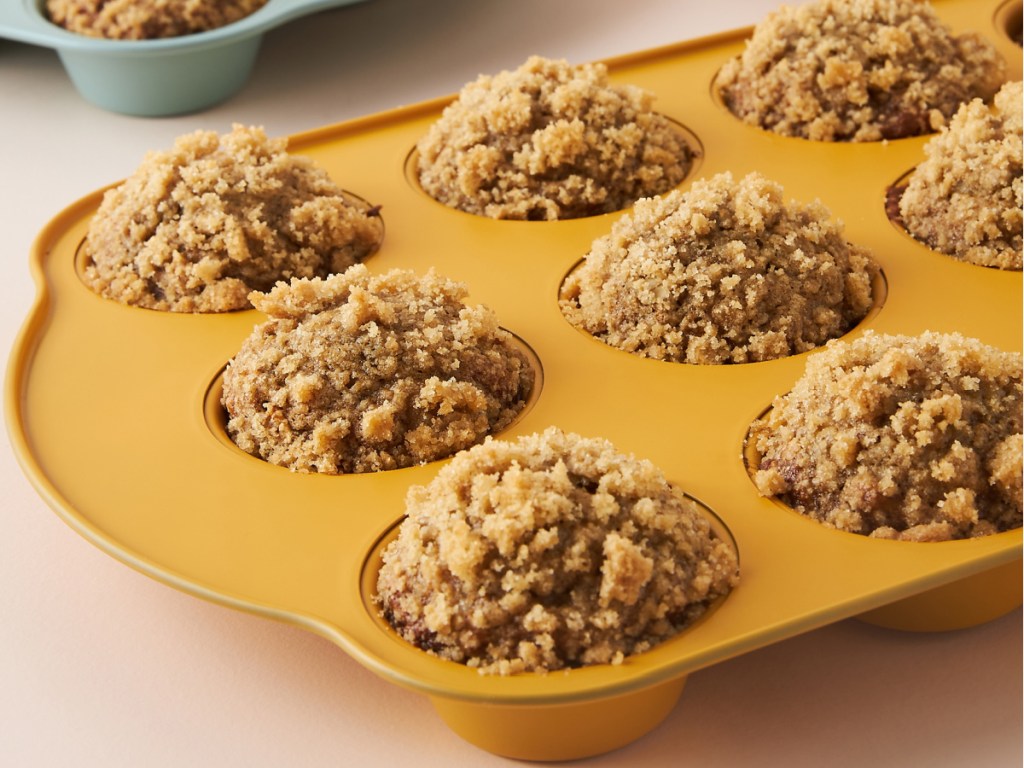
(155, 78)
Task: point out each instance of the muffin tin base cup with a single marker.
(561, 731)
(966, 603)
(162, 76)
(162, 84)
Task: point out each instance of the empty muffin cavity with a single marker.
(866, 70)
(724, 272)
(915, 438)
(550, 141)
(548, 552)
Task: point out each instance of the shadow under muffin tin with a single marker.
(135, 458)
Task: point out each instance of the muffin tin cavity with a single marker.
(216, 416)
(960, 604)
(154, 78)
(513, 716)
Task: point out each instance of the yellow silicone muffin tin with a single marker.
(114, 414)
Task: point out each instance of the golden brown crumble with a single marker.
(965, 198)
(899, 437)
(146, 19)
(361, 373)
(196, 228)
(724, 272)
(549, 141)
(548, 552)
(857, 70)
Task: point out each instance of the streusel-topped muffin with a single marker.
(551, 551)
(857, 70)
(550, 141)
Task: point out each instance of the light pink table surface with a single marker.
(101, 667)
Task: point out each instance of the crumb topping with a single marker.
(550, 141)
(146, 19)
(724, 272)
(857, 70)
(548, 552)
(965, 199)
(198, 227)
(361, 373)
(899, 437)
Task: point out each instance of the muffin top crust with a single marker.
(360, 372)
(146, 19)
(548, 552)
(724, 272)
(857, 70)
(899, 437)
(198, 227)
(965, 198)
(549, 141)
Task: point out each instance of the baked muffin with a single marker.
(965, 198)
(549, 141)
(857, 70)
(146, 19)
(197, 228)
(360, 373)
(724, 272)
(548, 552)
(899, 437)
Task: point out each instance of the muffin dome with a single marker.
(361, 373)
(147, 19)
(899, 437)
(965, 199)
(196, 228)
(724, 272)
(548, 552)
(549, 141)
(857, 70)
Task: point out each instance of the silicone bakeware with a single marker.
(155, 78)
(114, 413)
